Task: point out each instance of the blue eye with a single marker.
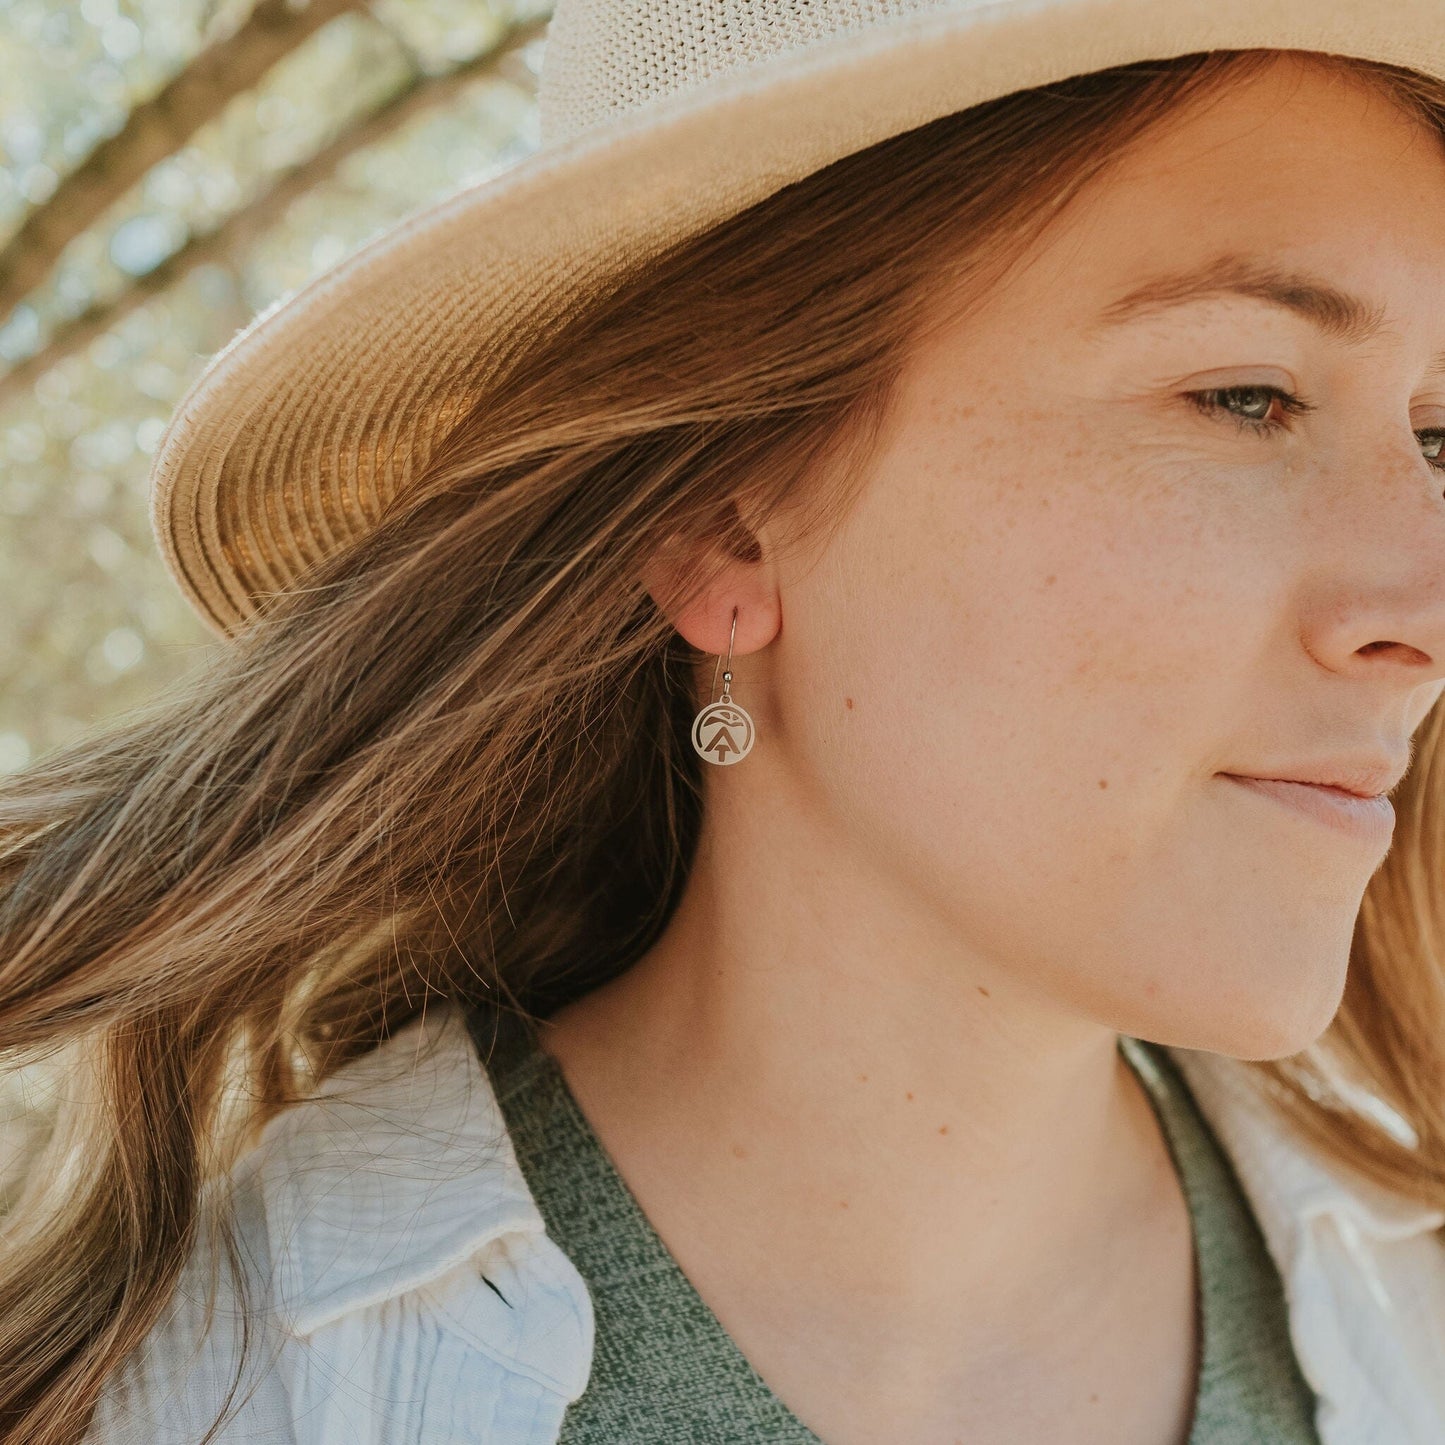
(1250, 406)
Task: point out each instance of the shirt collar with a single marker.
(1289, 1180)
(400, 1168)
(396, 1170)
(1346, 1253)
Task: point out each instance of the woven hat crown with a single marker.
(605, 59)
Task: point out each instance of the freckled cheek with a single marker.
(1101, 652)
(1148, 687)
(1134, 629)
(1090, 574)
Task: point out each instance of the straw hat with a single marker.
(658, 119)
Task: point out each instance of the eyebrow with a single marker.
(1338, 314)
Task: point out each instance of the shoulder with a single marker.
(392, 1278)
(1363, 1269)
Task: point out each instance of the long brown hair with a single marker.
(455, 764)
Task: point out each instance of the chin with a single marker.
(1284, 979)
(1247, 1021)
(1255, 1039)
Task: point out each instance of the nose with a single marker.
(1378, 603)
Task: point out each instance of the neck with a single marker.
(862, 1110)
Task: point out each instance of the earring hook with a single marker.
(728, 675)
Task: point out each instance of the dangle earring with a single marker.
(723, 732)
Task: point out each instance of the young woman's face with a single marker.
(1102, 562)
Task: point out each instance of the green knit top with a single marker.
(665, 1372)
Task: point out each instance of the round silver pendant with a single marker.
(722, 733)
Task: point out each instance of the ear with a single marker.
(745, 580)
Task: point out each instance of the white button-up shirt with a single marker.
(403, 1289)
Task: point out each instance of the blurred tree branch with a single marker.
(155, 129)
(235, 234)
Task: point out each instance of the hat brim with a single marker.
(313, 417)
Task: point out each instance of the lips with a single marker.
(1339, 788)
(1367, 818)
(1360, 777)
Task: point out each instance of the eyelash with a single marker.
(1208, 403)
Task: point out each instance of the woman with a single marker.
(949, 1039)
